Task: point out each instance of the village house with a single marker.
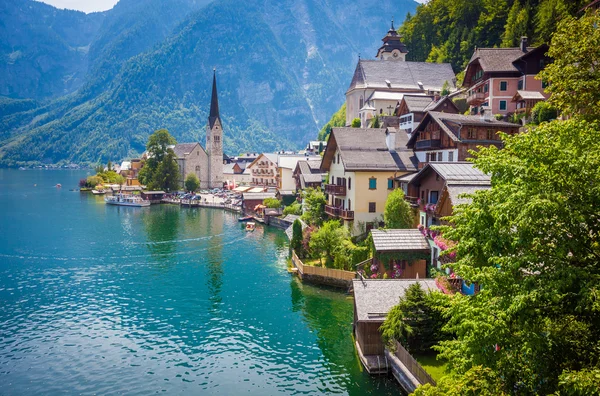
(412, 109)
(286, 164)
(130, 171)
(401, 254)
(362, 166)
(263, 170)
(494, 75)
(448, 137)
(308, 174)
(378, 85)
(206, 164)
(315, 147)
(236, 173)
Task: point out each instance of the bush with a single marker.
(296, 242)
(93, 181)
(356, 123)
(272, 203)
(328, 241)
(543, 112)
(293, 209)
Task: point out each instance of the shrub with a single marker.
(543, 112)
(272, 203)
(293, 209)
(356, 123)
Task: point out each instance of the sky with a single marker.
(98, 5)
(83, 5)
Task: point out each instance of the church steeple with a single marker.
(214, 103)
(393, 48)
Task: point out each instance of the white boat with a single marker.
(98, 192)
(126, 200)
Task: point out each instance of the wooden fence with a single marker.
(412, 365)
(199, 203)
(320, 271)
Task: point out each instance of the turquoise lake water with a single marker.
(98, 299)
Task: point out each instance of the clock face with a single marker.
(395, 54)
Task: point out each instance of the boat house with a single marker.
(401, 254)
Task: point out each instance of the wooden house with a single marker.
(402, 254)
(412, 109)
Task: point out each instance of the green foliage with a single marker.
(328, 241)
(574, 76)
(375, 122)
(477, 381)
(517, 25)
(543, 112)
(314, 202)
(293, 209)
(192, 183)
(417, 321)
(272, 203)
(160, 171)
(397, 212)
(93, 181)
(445, 89)
(338, 119)
(356, 123)
(532, 242)
(296, 242)
(579, 383)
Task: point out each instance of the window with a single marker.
(520, 85)
(372, 183)
(433, 197)
(390, 184)
(451, 156)
(422, 197)
(503, 105)
(471, 133)
(372, 207)
(485, 88)
(503, 86)
(440, 158)
(349, 204)
(361, 103)
(217, 138)
(349, 183)
(490, 134)
(338, 161)
(544, 84)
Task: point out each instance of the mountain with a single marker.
(43, 50)
(282, 69)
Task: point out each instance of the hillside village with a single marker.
(411, 129)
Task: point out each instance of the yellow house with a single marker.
(362, 165)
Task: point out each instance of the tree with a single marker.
(320, 147)
(191, 182)
(93, 181)
(543, 112)
(273, 203)
(160, 171)
(293, 209)
(356, 123)
(296, 242)
(397, 212)
(533, 242)
(375, 123)
(328, 241)
(573, 77)
(516, 25)
(314, 206)
(120, 180)
(445, 89)
(166, 175)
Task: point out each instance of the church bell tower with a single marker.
(214, 140)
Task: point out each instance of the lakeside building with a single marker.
(286, 164)
(237, 172)
(205, 163)
(130, 170)
(378, 85)
(412, 109)
(308, 174)
(315, 147)
(362, 166)
(448, 137)
(494, 75)
(263, 170)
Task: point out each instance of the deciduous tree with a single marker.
(397, 212)
(192, 183)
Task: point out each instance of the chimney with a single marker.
(486, 113)
(436, 97)
(390, 140)
(524, 44)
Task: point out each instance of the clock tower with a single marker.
(393, 48)
(214, 140)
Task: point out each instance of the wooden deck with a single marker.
(375, 364)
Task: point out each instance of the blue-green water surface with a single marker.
(98, 299)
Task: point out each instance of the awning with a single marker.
(256, 190)
(242, 189)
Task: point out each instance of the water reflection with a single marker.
(161, 224)
(214, 257)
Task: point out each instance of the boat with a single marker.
(58, 185)
(245, 218)
(98, 192)
(250, 226)
(126, 200)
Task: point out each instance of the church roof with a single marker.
(214, 104)
(392, 41)
(394, 75)
(182, 149)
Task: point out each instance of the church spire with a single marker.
(214, 103)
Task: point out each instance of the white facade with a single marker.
(448, 155)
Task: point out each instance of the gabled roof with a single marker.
(269, 156)
(497, 59)
(416, 76)
(397, 240)
(452, 123)
(439, 105)
(456, 191)
(417, 103)
(454, 173)
(364, 149)
(181, 149)
(528, 95)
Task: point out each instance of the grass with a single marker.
(313, 262)
(435, 368)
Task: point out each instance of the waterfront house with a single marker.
(412, 109)
(362, 166)
(251, 200)
(448, 137)
(263, 170)
(494, 75)
(308, 174)
(373, 299)
(234, 172)
(286, 164)
(401, 254)
(378, 85)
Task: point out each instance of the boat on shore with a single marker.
(126, 200)
(250, 226)
(245, 218)
(98, 192)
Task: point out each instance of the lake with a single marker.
(98, 299)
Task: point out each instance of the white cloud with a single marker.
(83, 5)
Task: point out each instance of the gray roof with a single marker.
(290, 230)
(531, 95)
(461, 173)
(419, 76)
(407, 178)
(259, 195)
(498, 59)
(456, 190)
(366, 149)
(228, 168)
(373, 298)
(399, 240)
(417, 104)
(181, 149)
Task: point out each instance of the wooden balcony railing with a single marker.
(339, 212)
(476, 98)
(433, 143)
(347, 214)
(334, 189)
(413, 201)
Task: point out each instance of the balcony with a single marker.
(334, 189)
(476, 98)
(426, 144)
(339, 212)
(412, 201)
